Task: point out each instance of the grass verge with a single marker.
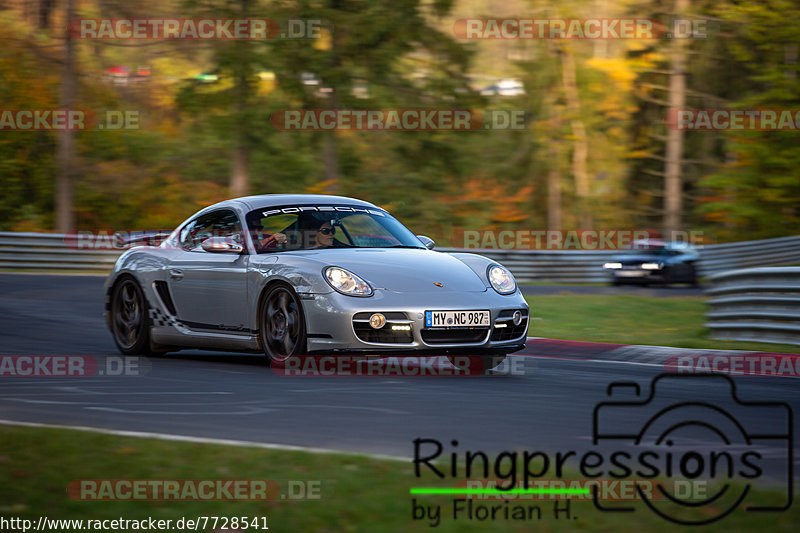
(630, 319)
(356, 493)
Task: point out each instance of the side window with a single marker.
(228, 225)
(189, 233)
(223, 223)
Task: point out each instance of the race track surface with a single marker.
(541, 403)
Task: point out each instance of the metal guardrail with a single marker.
(50, 252)
(584, 266)
(560, 266)
(756, 304)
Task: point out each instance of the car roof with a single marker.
(262, 201)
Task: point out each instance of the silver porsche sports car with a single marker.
(290, 275)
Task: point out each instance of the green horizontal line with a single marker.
(438, 490)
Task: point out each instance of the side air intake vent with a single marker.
(163, 293)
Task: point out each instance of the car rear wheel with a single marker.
(130, 322)
(282, 325)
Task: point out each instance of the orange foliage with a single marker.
(483, 198)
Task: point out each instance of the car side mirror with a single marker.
(427, 241)
(221, 245)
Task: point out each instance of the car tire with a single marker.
(282, 326)
(130, 318)
(668, 279)
(693, 278)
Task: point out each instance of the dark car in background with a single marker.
(654, 261)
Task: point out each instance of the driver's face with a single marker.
(325, 235)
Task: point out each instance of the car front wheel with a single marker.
(282, 326)
(693, 277)
(130, 322)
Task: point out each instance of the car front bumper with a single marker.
(331, 327)
(635, 275)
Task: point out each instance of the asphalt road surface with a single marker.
(539, 404)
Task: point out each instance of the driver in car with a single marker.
(315, 232)
(265, 241)
(324, 236)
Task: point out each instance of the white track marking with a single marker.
(204, 440)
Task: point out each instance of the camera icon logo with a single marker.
(682, 433)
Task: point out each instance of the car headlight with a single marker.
(346, 282)
(651, 266)
(501, 279)
(612, 265)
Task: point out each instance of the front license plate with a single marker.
(631, 273)
(452, 319)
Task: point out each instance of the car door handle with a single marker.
(176, 274)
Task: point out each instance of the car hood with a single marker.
(402, 270)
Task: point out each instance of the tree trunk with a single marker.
(580, 148)
(240, 178)
(673, 183)
(554, 218)
(65, 139)
(600, 46)
(331, 161)
(45, 10)
(330, 155)
(790, 53)
(240, 175)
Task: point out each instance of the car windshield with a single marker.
(647, 248)
(326, 226)
(648, 251)
(654, 250)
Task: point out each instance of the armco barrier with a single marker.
(49, 252)
(585, 266)
(756, 304)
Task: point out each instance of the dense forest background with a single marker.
(595, 152)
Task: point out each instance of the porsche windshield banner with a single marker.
(321, 209)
